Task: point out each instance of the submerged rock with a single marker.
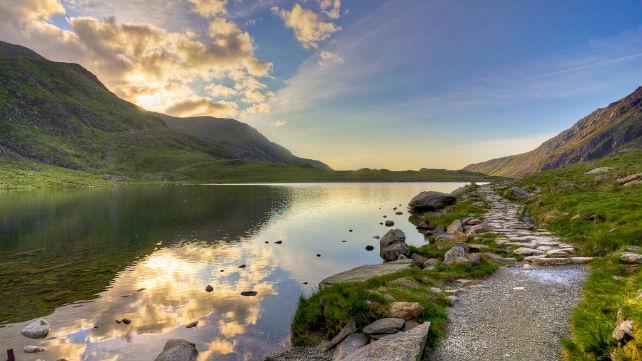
(430, 201)
(37, 329)
(178, 350)
(392, 245)
(34, 349)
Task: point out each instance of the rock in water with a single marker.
(349, 345)
(430, 201)
(33, 349)
(406, 310)
(389, 223)
(393, 244)
(402, 346)
(36, 329)
(178, 350)
(384, 325)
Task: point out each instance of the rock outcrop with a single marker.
(402, 346)
(366, 272)
(430, 201)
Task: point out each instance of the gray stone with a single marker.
(519, 192)
(366, 272)
(629, 178)
(389, 223)
(556, 253)
(551, 261)
(581, 260)
(403, 346)
(634, 249)
(473, 222)
(628, 257)
(418, 259)
(454, 255)
(33, 349)
(406, 310)
(178, 350)
(474, 259)
(349, 345)
(455, 227)
(384, 325)
(598, 170)
(348, 329)
(526, 251)
(37, 329)
(638, 295)
(393, 244)
(410, 324)
(624, 328)
(430, 201)
(431, 264)
(494, 257)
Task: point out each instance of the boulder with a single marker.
(598, 170)
(494, 257)
(628, 257)
(37, 329)
(519, 192)
(622, 329)
(403, 346)
(431, 264)
(629, 178)
(454, 255)
(430, 201)
(406, 310)
(393, 244)
(178, 350)
(346, 331)
(455, 227)
(366, 272)
(349, 345)
(389, 223)
(384, 325)
(418, 259)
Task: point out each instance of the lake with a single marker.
(83, 259)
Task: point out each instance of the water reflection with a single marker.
(185, 239)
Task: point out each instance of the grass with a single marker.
(601, 217)
(324, 313)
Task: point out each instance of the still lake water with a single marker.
(149, 252)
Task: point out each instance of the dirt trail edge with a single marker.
(517, 314)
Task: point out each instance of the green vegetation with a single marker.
(601, 217)
(323, 314)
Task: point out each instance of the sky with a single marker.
(396, 84)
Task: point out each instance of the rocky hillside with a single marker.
(61, 114)
(616, 128)
(238, 139)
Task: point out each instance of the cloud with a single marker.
(331, 8)
(143, 63)
(308, 28)
(279, 123)
(220, 91)
(199, 106)
(327, 58)
(209, 8)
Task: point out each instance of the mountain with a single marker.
(238, 139)
(616, 128)
(61, 114)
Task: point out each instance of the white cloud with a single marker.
(199, 106)
(146, 64)
(220, 91)
(308, 28)
(279, 123)
(209, 8)
(331, 8)
(327, 58)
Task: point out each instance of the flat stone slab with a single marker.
(366, 272)
(402, 346)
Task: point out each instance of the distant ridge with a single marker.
(616, 128)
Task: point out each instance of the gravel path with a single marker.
(493, 320)
(521, 312)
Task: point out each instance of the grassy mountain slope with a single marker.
(616, 128)
(602, 215)
(238, 139)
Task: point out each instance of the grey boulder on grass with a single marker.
(392, 245)
(430, 201)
